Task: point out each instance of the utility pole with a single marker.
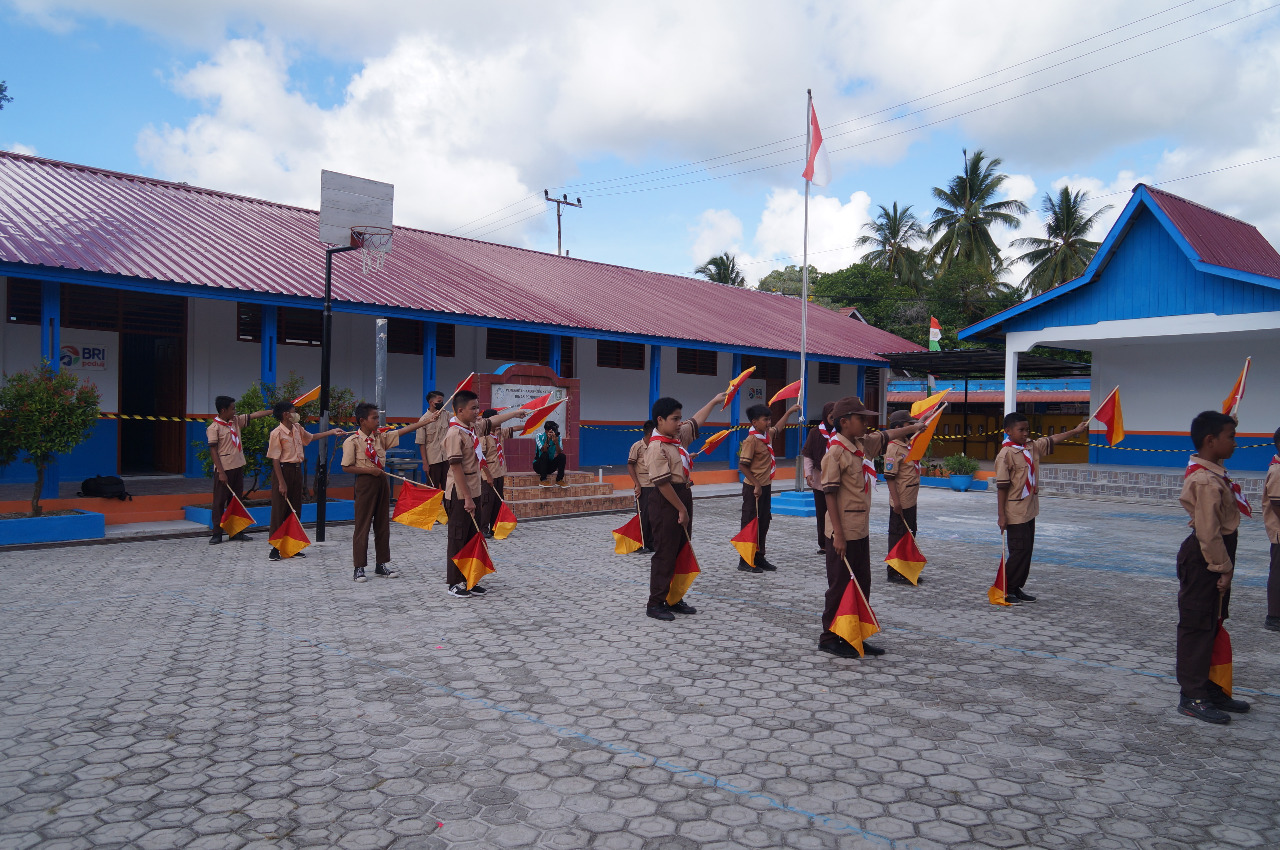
(561, 203)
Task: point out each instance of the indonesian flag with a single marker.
(1220, 659)
(997, 592)
(536, 403)
(505, 522)
(747, 541)
(935, 335)
(473, 560)
(854, 620)
(236, 517)
(418, 506)
(1231, 406)
(817, 169)
(714, 441)
(734, 385)
(905, 558)
(686, 571)
(791, 390)
(535, 420)
(629, 538)
(289, 538)
(1110, 415)
(307, 397)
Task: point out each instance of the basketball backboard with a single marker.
(347, 202)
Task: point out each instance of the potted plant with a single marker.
(45, 413)
(961, 468)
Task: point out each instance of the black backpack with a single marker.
(104, 487)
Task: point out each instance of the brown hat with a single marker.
(851, 406)
(899, 418)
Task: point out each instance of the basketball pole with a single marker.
(326, 347)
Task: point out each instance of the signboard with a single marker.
(752, 392)
(84, 358)
(514, 395)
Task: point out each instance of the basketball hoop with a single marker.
(374, 244)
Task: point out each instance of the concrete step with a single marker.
(528, 479)
(536, 492)
(1155, 487)
(572, 504)
(794, 503)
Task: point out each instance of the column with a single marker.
(51, 350)
(1010, 380)
(884, 398)
(862, 382)
(428, 360)
(268, 347)
(655, 377)
(557, 347)
(735, 412)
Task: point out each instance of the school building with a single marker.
(1176, 298)
(166, 295)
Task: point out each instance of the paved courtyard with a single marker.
(171, 694)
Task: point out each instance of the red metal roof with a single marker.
(70, 216)
(996, 396)
(1219, 239)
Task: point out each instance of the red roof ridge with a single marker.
(1219, 213)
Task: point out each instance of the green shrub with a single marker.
(960, 464)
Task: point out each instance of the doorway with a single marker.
(153, 382)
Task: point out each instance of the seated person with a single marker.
(549, 456)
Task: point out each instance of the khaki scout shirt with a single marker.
(636, 456)
(285, 444)
(1208, 499)
(904, 473)
(1012, 469)
(489, 445)
(223, 440)
(353, 448)
(755, 456)
(1271, 501)
(842, 473)
(459, 449)
(662, 460)
(432, 436)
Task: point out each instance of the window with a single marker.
(566, 357)
(404, 336)
(294, 325)
(517, 346)
(99, 308)
(828, 373)
(248, 322)
(23, 306)
(611, 354)
(445, 336)
(695, 361)
(767, 368)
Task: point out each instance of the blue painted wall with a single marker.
(1173, 450)
(1080, 384)
(607, 445)
(95, 456)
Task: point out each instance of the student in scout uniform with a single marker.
(643, 486)
(284, 448)
(226, 450)
(848, 474)
(1271, 519)
(903, 477)
(815, 447)
(757, 463)
(495, 472)
(364, 454)
(1206, 562)
(548, 456)
(465, 456)
(430, 442)
(669, 464)
(1017, 501)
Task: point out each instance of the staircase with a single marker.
(583, 495)
(1151, 486)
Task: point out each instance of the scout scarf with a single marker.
(773, 459)
(502, 456)
(828, 434)
(1028, 489)
(370, 452)
(1275, 460)
(231, 426)
(1242, 504)
(868, 465)
(475, 441)
(686, 459)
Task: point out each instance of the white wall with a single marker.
(611, 395)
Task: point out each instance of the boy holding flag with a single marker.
(815, 448)
(1271, 519)
(284, 448)
(757, 464)
(903, 477)
(495, 472)
(226, 450)
(430, 441)
(643, 486)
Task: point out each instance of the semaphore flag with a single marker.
(505, 522)
(235, 518)
(855, 621)
(905, 557)
(629, 538)
(997, 592)
(817, 168)
(1220, 659)
(1112, 418)
(307, 397)
(535, 420)
(734, 385)
(537, 402)
(1231, 406)
(418, 506)
(473, 560)
(713, 441)
(791, 390)
(935, 335)
(747, 541)
(686, 571)
(290, 538)
(928, 407)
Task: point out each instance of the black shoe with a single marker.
(489, 534)
(1272, 624)
(1222, 702)
(359, 575)
(478, 590)
(216, 538)
(659, 613)
(896, 577)
(459, 590)
(682, 607)
(385, 571)
(1012, 599)
(871, 650)
(1023, 596)
(242, 538)
(644, 550)
(275, 554)
(299, 555)
(821, 552)
(762, 563)
(1202, 709)
(842, 649)
(747, 568)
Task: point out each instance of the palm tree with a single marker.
(722, 269)
(1066, 253)
(962, 223)
(891, 236)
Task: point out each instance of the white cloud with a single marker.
(717, 231)
(19, 147)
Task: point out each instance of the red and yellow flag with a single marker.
(996, 593)
(1112, 418)
(629, 538)
(235, 518)
(1232, 404)
(535, 420)
(290, 538)
(906, 558)
(920, 442)
(307, 397)
(734, 386)
(747, 541)
(855, 621)
(791, 390)
(473, 560)
(505, 522)
(713, 441)
(537, 402)
(418, 506)
(686, 571)
(924, 405)
(1220, 659)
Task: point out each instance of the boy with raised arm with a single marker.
(430, 442)
(226, 450)
(903, 478)
(284, 449)
(757, 464)
(643, 486)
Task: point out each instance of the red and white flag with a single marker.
(817, 170)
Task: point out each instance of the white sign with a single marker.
(752, 393)
(84, 358)
(514, 395)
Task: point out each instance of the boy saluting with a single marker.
(227, 453)
(757, 464)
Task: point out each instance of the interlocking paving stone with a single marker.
(170, 694)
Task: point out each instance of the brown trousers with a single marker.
(373, 508)
(1022, 540)
(820, 504)
(749, 505)
(1198, 616)
(492, 497)
(898, 525)
(437, 473)
(668, 539)
(858, 552)
(1273, 583)
(461, 528)
(222, 497)
(647, 495)
(292, 473)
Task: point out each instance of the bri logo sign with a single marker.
(84, 358)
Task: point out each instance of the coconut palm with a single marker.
(1066, 253)
(722, 269)
(891, 236)
(962, 223)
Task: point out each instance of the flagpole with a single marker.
(804, 294)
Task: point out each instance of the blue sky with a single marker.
(469, 108)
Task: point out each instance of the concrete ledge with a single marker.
(84, 525)
(339, 510)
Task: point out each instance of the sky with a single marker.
(679, 125)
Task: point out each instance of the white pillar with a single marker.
(1010, 379)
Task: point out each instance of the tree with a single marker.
(962, 223)
(722, 269)
(44, 413)
(1066, 253)
(891, 236)
(787, 281)
(4, 94)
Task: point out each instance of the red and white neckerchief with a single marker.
(1028, 489)
(475, 441)
(1275, 460)
(1242, 504)
(686, 459)
(868, 465)
(773, 458)
(502, 456)
(371, 452)
(230, 426)
(828, 434)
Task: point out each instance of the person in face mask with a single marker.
(430, 440)
(284, 449)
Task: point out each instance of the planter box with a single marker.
(85, 525)
(927, 481)
(338, 510)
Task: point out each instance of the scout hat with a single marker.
(851, 406)
(899, 418)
